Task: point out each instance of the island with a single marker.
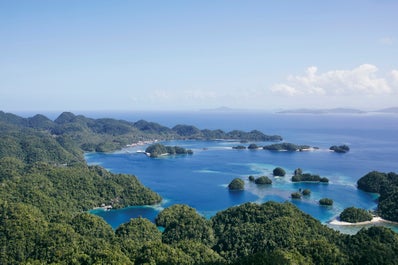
(239, 147)
(326, 202)
(263, 180)
(158, 149)
(385, 184)
(236, 184)
(355, 215)
(296, 195)
(279, 172)
(286, 147)
(340, 149)
(299, 176)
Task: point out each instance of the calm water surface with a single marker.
(200, 180)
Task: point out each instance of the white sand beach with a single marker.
(375, 219)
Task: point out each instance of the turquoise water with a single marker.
(200, 180)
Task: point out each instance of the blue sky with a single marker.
(189, 55)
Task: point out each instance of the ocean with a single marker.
(200, 180)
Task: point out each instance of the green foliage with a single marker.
(309, 177)
(182, 222)
(157, 150)
(236, 184)
(375, 245)
(89, 225)
(285, 147)
(326, 201)
(252, 146)
(251, 178)
(298, 171)
(161, 254)
(250, 229)
(386, 184)
(296, 195)
(355, 215)
(276, 257)
(45, 189)
(199, 253)
(21, 228)
(340, 149)
(254, 135)
(263, 180)
(75, 188)
(139, 230)
(278, 171)
(373, 182)
(306, 192)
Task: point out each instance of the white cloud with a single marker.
(394, 77)
(360, 80)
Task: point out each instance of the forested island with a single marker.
(157, 150)
(385, 184)
(46, 189)
(300, 176)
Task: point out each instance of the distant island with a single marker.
(322, 111)
(337, 111)
(157, 150)
(300, 176)
(286, 147)
(340, 149)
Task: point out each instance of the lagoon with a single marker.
(200, 180)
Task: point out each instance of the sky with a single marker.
(99, 55)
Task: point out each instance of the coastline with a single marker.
(375, 220)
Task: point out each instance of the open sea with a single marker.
(200, 180)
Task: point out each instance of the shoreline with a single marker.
(375, 220)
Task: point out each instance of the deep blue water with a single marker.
(200, 180)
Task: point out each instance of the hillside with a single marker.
(46, 189)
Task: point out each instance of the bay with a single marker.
(200, 180)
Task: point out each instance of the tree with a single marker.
(326, 201)
(263, 180)
(236, 184)
(252, 146)
(139, 230)
(278, 171)
(355, 215)
(182, 222)
(296, 195)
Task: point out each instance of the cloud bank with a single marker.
(362, 80)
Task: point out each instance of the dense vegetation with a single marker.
(299, 176)
(77, 132)
(236, 184)
(263, 180)
(386, 184)
(278, 171)
(326, 201)
(340, 149)
(296, 195)
(157, 150)
(285, 147)
(45, 195)
(355, 215)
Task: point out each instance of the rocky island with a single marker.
(157, 150)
